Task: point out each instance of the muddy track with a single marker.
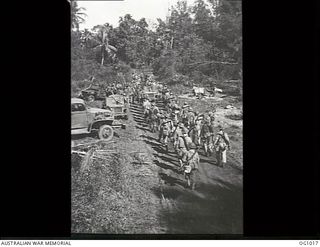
(140, 189)
(214, 207)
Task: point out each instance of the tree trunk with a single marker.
(102, 55)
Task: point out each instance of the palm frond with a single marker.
(96, 46)
(112, 48)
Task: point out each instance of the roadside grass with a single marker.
(112, 196)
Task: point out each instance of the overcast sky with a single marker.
(100, 12)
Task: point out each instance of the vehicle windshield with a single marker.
(114, 100)
(77, 107)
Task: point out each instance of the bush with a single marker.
(235, 116)
(82, 70)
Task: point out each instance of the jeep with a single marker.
(86, 120)
(92, 93)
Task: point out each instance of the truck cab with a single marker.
(117, 104)
(86, 120)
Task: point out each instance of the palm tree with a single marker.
(102, 40)
(77, 16)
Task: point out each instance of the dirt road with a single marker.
(214, 207)
(139, 189)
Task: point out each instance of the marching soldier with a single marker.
(191, 165)
(198, 125)
(206, 136)
(175, 130)
(165, 129)
(154, 110)
(221, 144)
(146, 107)
(174, 117)
(181, 148)
(191, 117)
(161, 117)
(183, 113)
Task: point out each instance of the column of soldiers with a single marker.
(186, 129)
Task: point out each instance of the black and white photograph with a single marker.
(156, 117)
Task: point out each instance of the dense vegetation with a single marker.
(199, 44)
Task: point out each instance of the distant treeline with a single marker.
(199, 44)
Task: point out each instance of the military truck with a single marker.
(117, 104)
(151, 93)
(86, 120)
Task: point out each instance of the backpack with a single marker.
(224, 138)
(205, 130)
(165, 127)
(222, 142)
(190, 165)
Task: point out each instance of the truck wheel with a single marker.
(91, 98)
(105, 132)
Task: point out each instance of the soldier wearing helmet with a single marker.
(182, 146)
(165, 129)
(206, 136)
(191, 165)
(190, 117)
(221, 144)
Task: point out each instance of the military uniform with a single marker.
(154, 110)
(197, 134)
(206, 134)
(193, 158)
(165, 130)
(183, 113)
(160, 117)
(174, 134)
(221, 144)
(191, 118)
(191, 165)
(146, 107)
(182, 149)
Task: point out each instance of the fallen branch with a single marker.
(78, 152)
(91, 143)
